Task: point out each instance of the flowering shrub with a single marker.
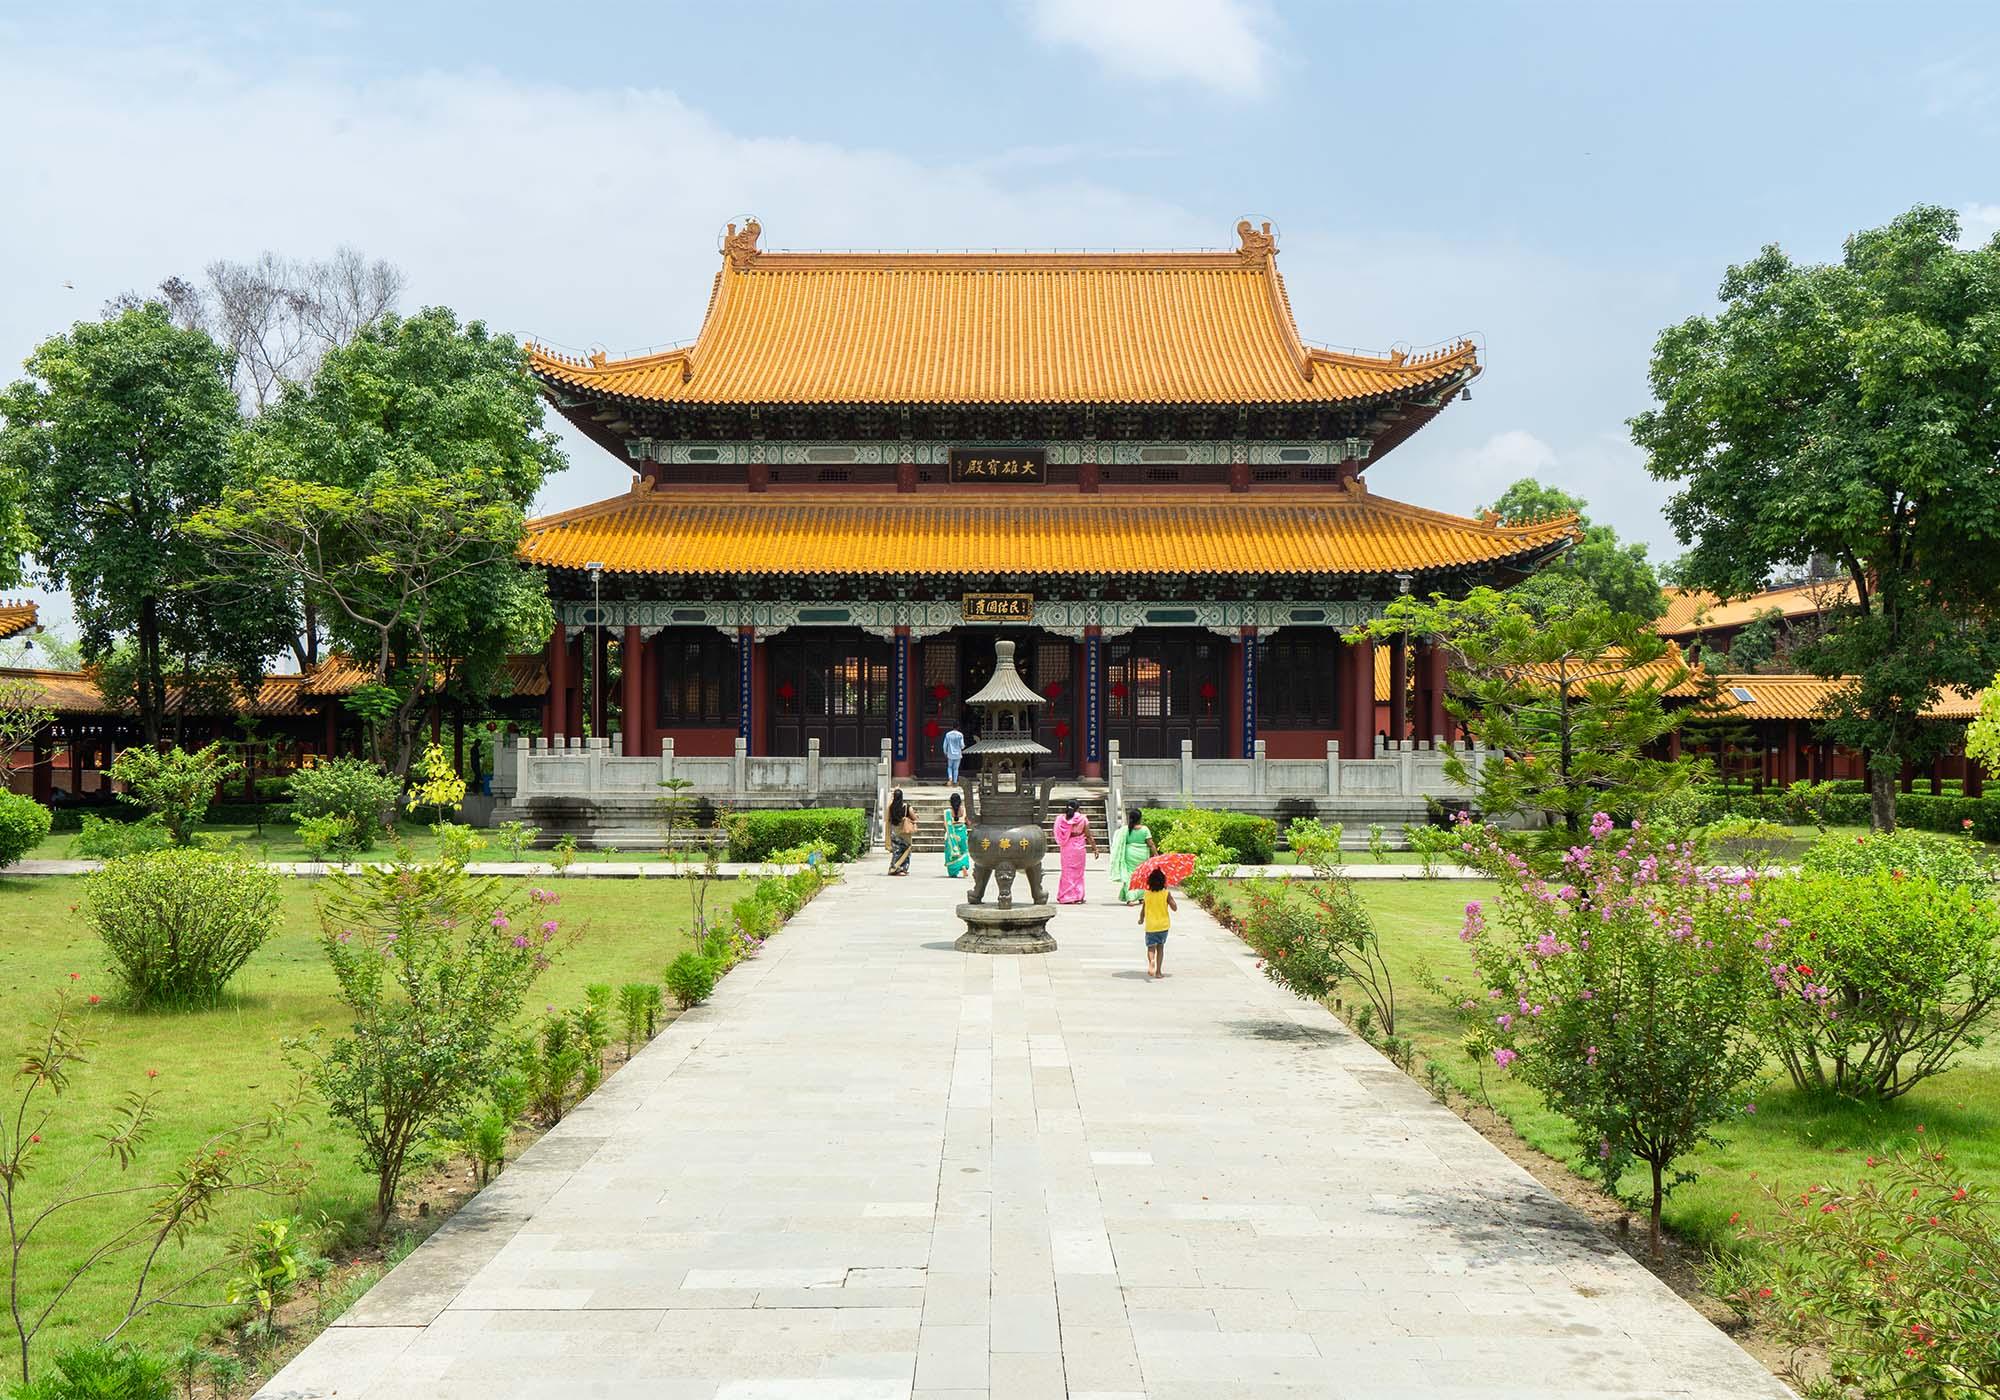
(179, 922)
(1877, 981)
(1897, 1277)
(354, 788)
(1938, 858)
(1310, 936)
(434, 965)
(1622, 989)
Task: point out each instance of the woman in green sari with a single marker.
(1129, 849)
(957, 845)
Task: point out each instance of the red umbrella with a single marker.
(1178, 865)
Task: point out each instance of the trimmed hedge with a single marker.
(754, 835)
(1250, 840)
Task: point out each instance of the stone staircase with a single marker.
(933, 802)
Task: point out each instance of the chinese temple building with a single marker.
(867, 467)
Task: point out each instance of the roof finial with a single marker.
(740, 248)
(1253, 244)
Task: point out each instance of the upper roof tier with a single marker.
(17, 617)
(1004, 328)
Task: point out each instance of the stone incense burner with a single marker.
(1007, 836)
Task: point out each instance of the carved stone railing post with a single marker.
(1187, 771)
(812, 772)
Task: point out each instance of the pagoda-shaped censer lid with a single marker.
(1006, 705)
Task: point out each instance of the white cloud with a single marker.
(581, 217)
(1977, 223)
(1217, 43)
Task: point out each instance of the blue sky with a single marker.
(1560, 180)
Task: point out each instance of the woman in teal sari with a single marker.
(1129, 849)
(957, 845)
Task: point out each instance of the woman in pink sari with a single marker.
(1073, 838)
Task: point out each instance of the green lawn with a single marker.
(1794, 1139)
(218, 1067)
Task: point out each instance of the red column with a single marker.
(555, 706)
(573, 696)
(649, 695)
(44, 780)
(1357, 711)
(1399, 686)
(1975, 778)
(629, 667)
(1433, 720)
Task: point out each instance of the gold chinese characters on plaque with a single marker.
(998, 607)
(999, 466)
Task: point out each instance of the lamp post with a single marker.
(596, 568)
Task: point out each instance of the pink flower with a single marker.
(520, 940)
(1749, 1108)
(1604, 1149)
(1504, 1020)
(93, 998)
(549, 928)
(1504, 1057)
(499, 921)
(1600, 826)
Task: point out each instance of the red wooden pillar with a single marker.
(1356, 673)
(1433, 720)
(555, 706)
(1937, 776)
(649, 695)
(1908, 777)
(630, 667)
(1975, 778)
(573, 696)
(1399, 686)
(45, 769)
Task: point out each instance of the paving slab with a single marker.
(875, 1168)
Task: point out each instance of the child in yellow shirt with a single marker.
(1153, 916)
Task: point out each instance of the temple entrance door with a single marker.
(963, 662)
(832, 685)
(1161, 688)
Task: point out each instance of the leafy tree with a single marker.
(391, 492)
(1574, 700)
(1848, 410)
(120, 433)
(1596, 566)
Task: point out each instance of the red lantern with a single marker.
(1117, 690)
(785, 691)
(940, 692)
(931, 729)
(1054, 689)
(1062, 729)
(1208, 690)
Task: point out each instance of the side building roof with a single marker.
(1693, 610)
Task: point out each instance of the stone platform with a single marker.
(1022, 929)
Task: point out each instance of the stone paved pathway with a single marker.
(877, 1169)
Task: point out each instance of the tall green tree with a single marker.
(1597, 566)
(120, 433)
(1850, 409)
(1574, 700)
(391, 492)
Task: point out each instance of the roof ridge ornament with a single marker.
(741, 248)
(1251, 244)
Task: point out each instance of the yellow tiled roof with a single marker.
(652, 532)
(16, 618)
(1691, 610)
(892, 328)
(76, 692)
(1792, 696)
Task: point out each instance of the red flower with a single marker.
(93, 998)
(1805, 971)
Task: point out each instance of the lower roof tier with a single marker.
(737, 534)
